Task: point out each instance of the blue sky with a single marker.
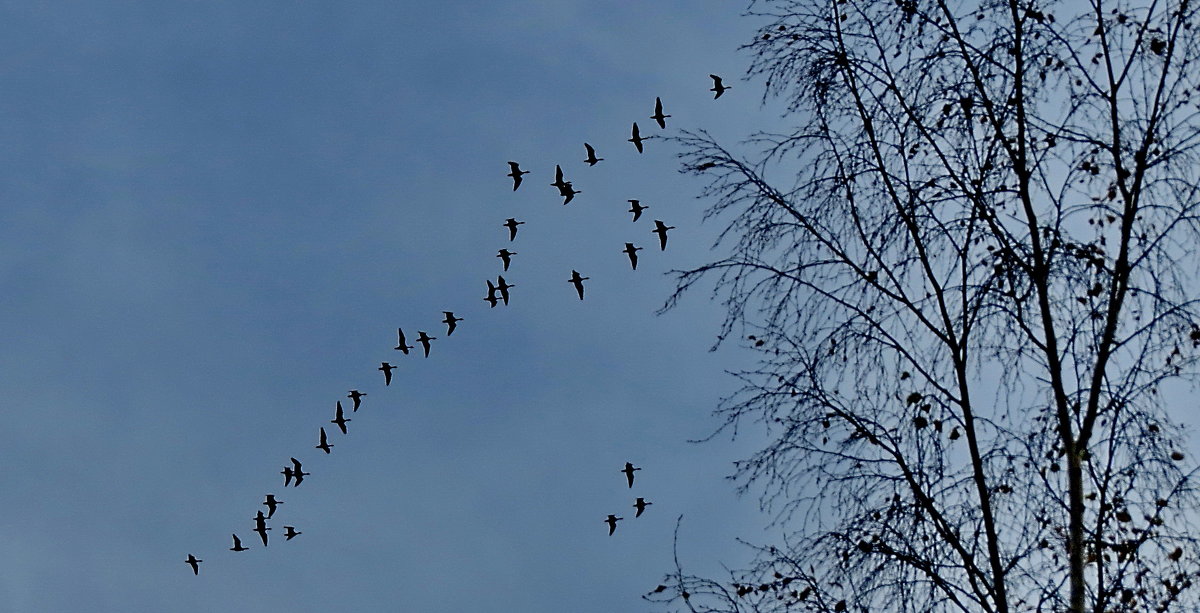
(216, 214)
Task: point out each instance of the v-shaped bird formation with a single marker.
(497, 293)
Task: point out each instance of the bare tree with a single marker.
(971, 274)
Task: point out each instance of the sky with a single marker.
(214, 217)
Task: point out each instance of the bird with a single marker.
(635, 207)
(237, 545)
(640, 504)
(324, 446)
(578, 282)
(491, 297)
(402, 345)
(424, 340)
(356, 396)
(260, 526)
(505, 256)
(503, 287)
(387, 373)
(717, 86)
(339, 419)
(628, 470)
(658, 114)
(558, 178)
(638, 138)
(287, 475)
(631, 251)
(591, 158)
(661, 230)
(271, 505)
(299, 473)
(515, 172)
(568, 191)
(512, 224)
(195, 564)
(291, 532)
(612, 523)
(451, 322)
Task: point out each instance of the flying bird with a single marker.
(402, 345)
(503, 287)
(291, 532)
(237, 545)
(717, 86)
(339, 419)
(356, 396)
(612, 523)
(577, 281)
(558, 178)
(515, 172)
(640, 504)
(194, 563)
(424, 340)
(661, 230)
(635, 207)
(591, 158)
(568, 192)
(387, 373)
(491, 297)
(512, 224)
(451, 322)
(506, 256)
(324, 446)
(287, 475)
(631, 251)
(299, 473)
(658, 114)
(638, 138)
(628, 470)
(271, 505)
(260, 526)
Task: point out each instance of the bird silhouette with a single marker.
(324, 445)
(577, 281)
(515, 172)
(491, 297)
(503, 287)
(591, 158)
(628, 470)
(612, 523)
(568, 191)
(717, 86)
(237, 545)
(558, 178)
(271, 505)
(339, 419)
(506, 256)
(387, 373)
(287, 475)
(512, 224)
(291, 532)
(631, 251)
(194, 563)
(356, 396)
(658, 114)
(424, 340)
(451, 322)
(260, 526)
(402, 346)
(638, 138)
(640, 504)
(299, 473)
(635, 207)
(661, 230)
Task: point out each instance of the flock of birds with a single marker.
(497, 292)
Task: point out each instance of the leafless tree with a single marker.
(971, 272)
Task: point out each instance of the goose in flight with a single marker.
(658, 114)
(631, 251)
(661, 230)
(568, 192)
(515, 172)
(558, 178)
(287, 475)
(291, 532)
(717, 86)
(237, 545)
(491, 297)
(577, 281)
(271, 505)
(640, 504)
(451, 321)
(591, 158)
(512, 224)
(194, 563)
(638, 138)
(635, 207)
(628, 470)
(339, 419)
(356, 396)
(505, 256)
(503, 287)
(424, 340)
(387, 373)
(324, 446)
(260, 526)
(299, 473)
(402, 346)
(612, 523)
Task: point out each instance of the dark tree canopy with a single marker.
(971, 272)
